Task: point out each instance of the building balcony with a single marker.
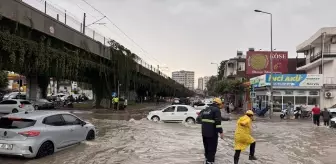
(318, 56)
(316, 60)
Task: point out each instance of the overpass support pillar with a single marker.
(33, 89)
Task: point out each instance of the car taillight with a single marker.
(197, 113)
(31, 133)
(21, 106)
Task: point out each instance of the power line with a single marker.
(119, 29)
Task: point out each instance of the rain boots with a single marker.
(236, 160)
(252, 157)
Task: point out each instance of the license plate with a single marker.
(6, 146)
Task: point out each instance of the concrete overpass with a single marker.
(29, 34)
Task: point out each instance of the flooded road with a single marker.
(142, 142)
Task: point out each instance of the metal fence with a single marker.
(72, 21)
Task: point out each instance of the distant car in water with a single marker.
(15, 106)
(15, 95)
(201, 106)
(41, 133)
(174, 113)
(43, 104)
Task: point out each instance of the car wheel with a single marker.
(90, 136)
(155, 119)
(15, 111)
(36, 107)
(47, 148)
(190, 120)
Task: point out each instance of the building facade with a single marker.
(320, 58)
(235, 67)
(202, 82)
(186, 78)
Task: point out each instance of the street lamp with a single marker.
(271, 61)
(217, 66)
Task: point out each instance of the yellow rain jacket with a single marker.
(243, 137)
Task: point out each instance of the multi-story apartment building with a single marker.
(235, 67)
(205, 82)
(320, 54)
(202, 82)
(186, 78)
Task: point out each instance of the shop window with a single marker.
(287, 99)
(300, 100)
(288, 92)
(277, 103)
(313, 100)
(314, 93)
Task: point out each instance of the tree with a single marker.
(229, 87)
(221, 69)
(3, 79)
(211, 85)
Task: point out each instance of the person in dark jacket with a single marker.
(326, 116)
(211, 126)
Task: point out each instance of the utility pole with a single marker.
(322, 63)
(271, 62)
(65, 17)
(118, 95)
(84, 19)
(45, 7)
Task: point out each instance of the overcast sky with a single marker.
(190, 34)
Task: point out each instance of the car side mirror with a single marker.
(83, 123)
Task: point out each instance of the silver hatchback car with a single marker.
(41, 133)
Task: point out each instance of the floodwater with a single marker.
(142, 142)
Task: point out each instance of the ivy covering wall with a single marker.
(28, 52)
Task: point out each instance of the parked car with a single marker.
(41, 133)
(174, 113)
(15, 106)
(43, 104)
(15, 95)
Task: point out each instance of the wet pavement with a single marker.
(142, 142)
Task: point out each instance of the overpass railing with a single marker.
(72, 21)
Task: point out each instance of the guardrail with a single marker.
(72, 21)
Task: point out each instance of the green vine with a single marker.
(39, 57)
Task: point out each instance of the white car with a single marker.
(41, 133)
(15, 106)
(174, 113)
(15, 95)
(202, 106)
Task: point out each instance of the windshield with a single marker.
(10, 123)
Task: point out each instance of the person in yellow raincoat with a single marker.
(243, 138)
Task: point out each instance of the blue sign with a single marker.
(294, 79)
(114, 94)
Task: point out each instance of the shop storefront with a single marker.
(299, 89)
